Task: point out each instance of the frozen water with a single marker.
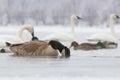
(101, 64)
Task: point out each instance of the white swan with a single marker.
(15, 39)
(111, 37)
(63, 36)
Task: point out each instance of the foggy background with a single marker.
(56, 12)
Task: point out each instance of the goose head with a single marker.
(114, 16)
(74, 17)
(74, 44)
(60, 47)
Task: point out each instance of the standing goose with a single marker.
(15, 39)
(39, 48)
(63, 36)
(106, 37)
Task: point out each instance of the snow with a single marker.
(101, 64)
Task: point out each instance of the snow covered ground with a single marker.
(101, 64)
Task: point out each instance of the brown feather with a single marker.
(33, 48)
(84, 46)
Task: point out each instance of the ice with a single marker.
(101, 64)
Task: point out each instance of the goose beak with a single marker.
(79, 17)
(118, 17)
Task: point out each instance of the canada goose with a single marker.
(86, 46)
(60, 36)
(15, 39)
(106, 37)
(38, 48)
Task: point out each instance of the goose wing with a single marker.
(29, 48)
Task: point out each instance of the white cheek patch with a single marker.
(63, 52)
(59, 54)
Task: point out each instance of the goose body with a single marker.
(85, 46)
(64, 36)
(15, 38)
(111, 37)
(34, 48)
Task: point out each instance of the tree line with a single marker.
(55, 12)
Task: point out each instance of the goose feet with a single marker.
(2, 50)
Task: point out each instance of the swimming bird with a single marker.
(111, 37)
(109, 45)
(59, 36)
(38, 48)
(14, 38)
(86, 46)
(93, 46)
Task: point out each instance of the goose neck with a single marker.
(20, 32)
(112, 26)
(73, 27)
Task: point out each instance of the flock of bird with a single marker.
(52, 46)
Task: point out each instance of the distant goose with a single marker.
(63, 36)
(86, 46)
(15, 39)
(106, 37)
(39, 48)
